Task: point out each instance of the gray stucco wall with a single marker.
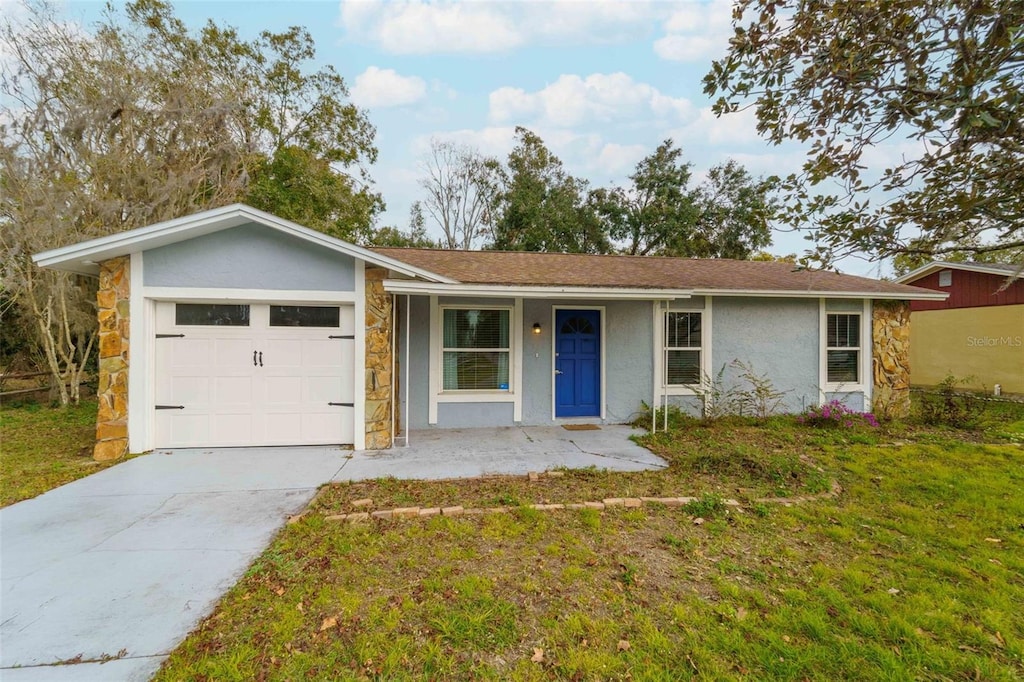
(419, 360)
(628, 363)
(776, 336)
(248, 257)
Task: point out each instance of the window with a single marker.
(304, 316)
(216, 314)
(945, 278)
(682, 348)
(475, 349)
(842, 351)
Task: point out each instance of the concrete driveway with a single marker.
(126, 562)
(131, 558)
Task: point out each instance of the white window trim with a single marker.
(863, 383)
(662, 387)
(554, 364)
(438, 395)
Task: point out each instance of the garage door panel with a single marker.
(328, 389)
(326, 426)
(322, 352)
(233, 391)
(284, 390)
(229, 400)
(186, 352)
(191, 390)
(282, 353)
(174, 425)
(227, 428)
(235, 353)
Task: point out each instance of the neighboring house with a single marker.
(977, 334)
(245, 329)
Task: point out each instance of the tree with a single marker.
(733, 214)
(458, 190)
(727, 216)
(913, 259)
(538, 206)
(415, 237)
(658, 210)
(848, 76)
(140, 121)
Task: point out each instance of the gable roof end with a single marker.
(1002, 269)
(84, 257)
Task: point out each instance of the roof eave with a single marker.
(527, 291)
(920, 295)
(83, 258)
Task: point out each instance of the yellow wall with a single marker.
(986, 343)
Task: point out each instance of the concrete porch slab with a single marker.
(517, 450)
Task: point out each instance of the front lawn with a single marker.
(44, 447)
(913, 572)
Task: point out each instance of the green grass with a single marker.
(914, 572)
(43, 447)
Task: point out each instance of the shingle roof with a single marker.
(521, 268)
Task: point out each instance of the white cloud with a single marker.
(572, 100)
(619, 159)
(492, 141)
(447, 26)
(735, 129)
(699, 31)
(378, 88)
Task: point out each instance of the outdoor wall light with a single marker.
(536, 327)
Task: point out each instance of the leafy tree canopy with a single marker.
(727, 216)
(539, 206)
(945, 78)
(139, 120)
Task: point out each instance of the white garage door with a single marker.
(254, 374)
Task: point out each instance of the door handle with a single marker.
(558, 371)
(254, 358)
(261, 358)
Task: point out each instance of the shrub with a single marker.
(676, 417)
(946, 406)
(834, 414)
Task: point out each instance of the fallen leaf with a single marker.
(279, 591)
(785, 638)
(998, 639)
(698, 521)
(246, 597)
(741, 613)
(300, 607)
(623, 645)
(328, 623)
(992, 540)
(538, 655)
(893, 590)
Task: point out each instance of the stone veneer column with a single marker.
(379, 321)
(890, 344)
(112, 301)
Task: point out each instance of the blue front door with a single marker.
(578, 363)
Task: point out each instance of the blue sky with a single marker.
(603, 83)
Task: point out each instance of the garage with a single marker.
(244, 374)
